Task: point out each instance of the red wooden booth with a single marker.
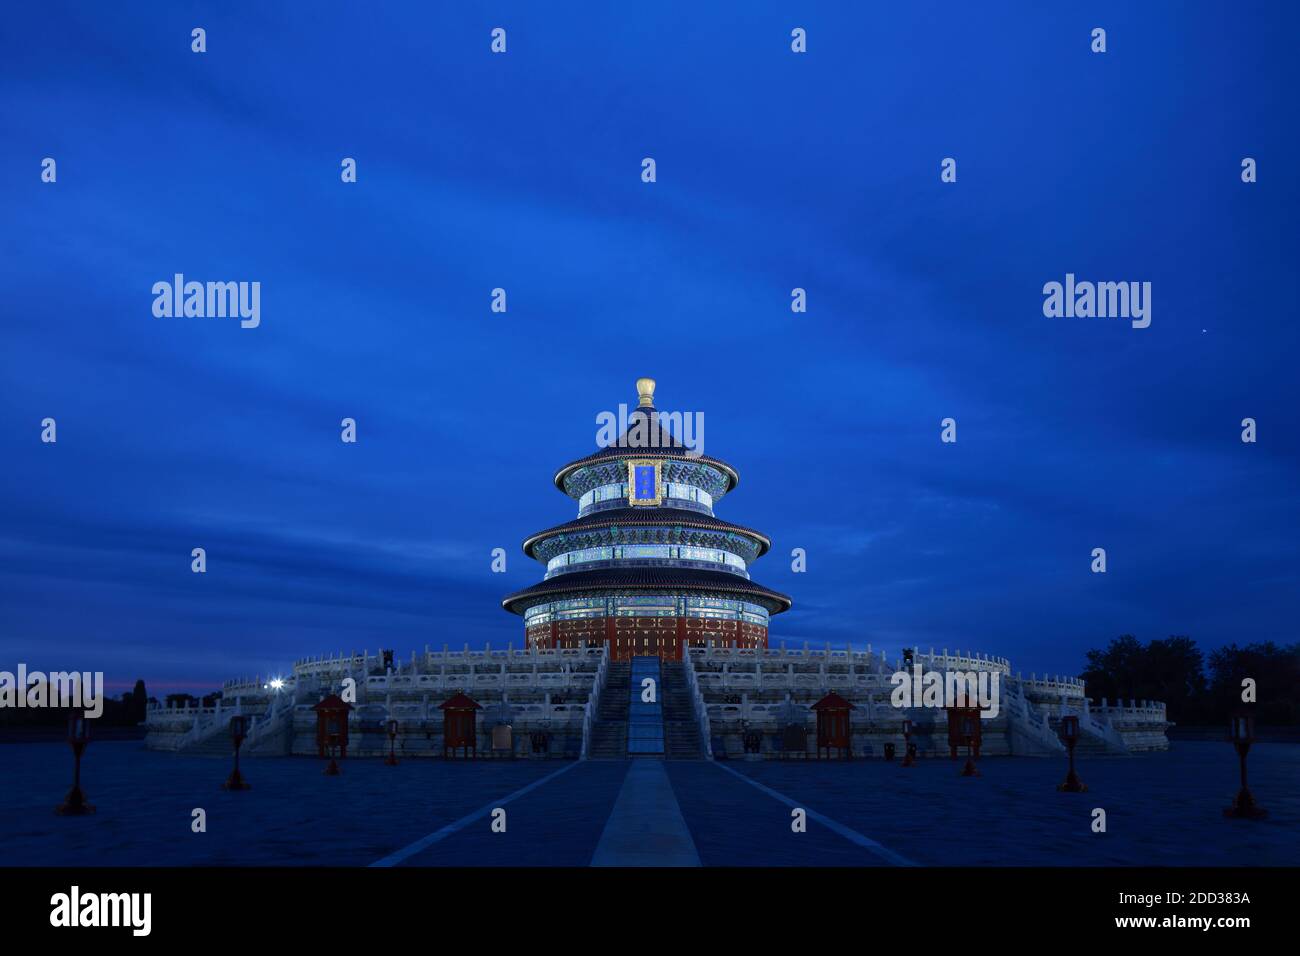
(833, 725)
(332, 724)
(459, 725)
(964, 731)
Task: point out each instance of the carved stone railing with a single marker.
(698, 705)
(590, 711)
(1146, 711)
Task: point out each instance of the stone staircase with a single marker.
(609, 733)
(218, 744)
(272, 736)
(681, 733)
(1088, 744)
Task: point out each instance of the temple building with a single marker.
(647, 582)
(646, 567)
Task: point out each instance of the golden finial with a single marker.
(645, 387)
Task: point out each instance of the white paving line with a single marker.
(853, 836)
(424, 842)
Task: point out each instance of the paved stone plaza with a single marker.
(1163, 809)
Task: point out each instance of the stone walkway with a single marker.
(1162, 809)
(646, 828)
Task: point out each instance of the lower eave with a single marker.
(646, 579)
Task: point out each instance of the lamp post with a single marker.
(909, 757)
(1070, 737)
(392, 744)
(1241, 731)
(970, 734)
(331, 745)
(238, 731)
(74, 804)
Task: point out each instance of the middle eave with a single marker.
(646, 517)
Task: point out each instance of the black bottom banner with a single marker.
(228, 905)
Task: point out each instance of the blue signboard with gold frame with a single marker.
(644, 485)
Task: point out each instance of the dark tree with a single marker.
(1113, 672)
(1169, 670)
(139, 702)
(1276, 672)
(1174, 671)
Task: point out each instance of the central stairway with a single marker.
(627, 726)
(645, 726)
(609, 734)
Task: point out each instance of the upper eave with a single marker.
(670, 453)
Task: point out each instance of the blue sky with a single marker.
(522, 171)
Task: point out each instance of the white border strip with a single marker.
(853, 836)
(424, 842)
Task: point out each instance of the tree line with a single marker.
(128, 710)
(1199, 690)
